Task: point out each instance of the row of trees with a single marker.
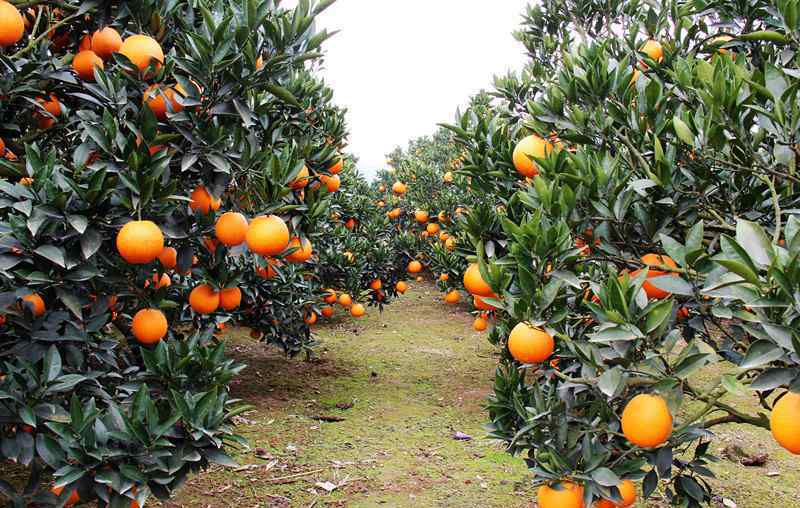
(169, 168)
(630, 211)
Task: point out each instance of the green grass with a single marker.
(414, 375)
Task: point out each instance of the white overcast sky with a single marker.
(401, 66)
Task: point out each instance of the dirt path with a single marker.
(403, 383)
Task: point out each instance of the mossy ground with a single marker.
(414, 375)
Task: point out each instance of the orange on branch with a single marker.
(528, 344)
(231, 228)
(149, 326)
(140, 242)
(204, 299)
(267, 235)
(647, 421)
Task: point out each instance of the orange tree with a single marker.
(159, 159)
(643, 173)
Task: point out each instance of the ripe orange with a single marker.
(357, 310)
(479, 324)
(268, 271)
(330, 296)
(231, 228)
(627, 490)
(653, 49)
(399, 188)
(475, 283)
(105, 42)
(479, 304)
(337, 167)
(161, 100)
(310, 318)
(376, 284)
(646, 421)
(301, 180)
(204, 299)
(331, 182)
(267, 235)
(421, 216)
(140, 241)
(785, 422)
(419, 279)
(303, 253)
(528, 344)
(654, 260)
(528, 148)
(210, 244)
(563, 495)
(52, 106)
(414, 267)
(345, 300)
(442, 217)
(162, 281)
(351, 223)
(73, 498)
(450, 244)
(86, 43)
(230, 298)
(84, 64)
(142, 50)
(401, 287)
(12, 26)
(453, 297)
(149, 326)
(168, 258)
(327, 311)
(448, 177)
(201, 200)
(444, 277)
(432, 228)
(37, 302)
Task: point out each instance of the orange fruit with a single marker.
(421, 216)
(231, 228)
(230, 298)
(376, 284)
(149, 326)
(420, 279)
(52, 106)
(394, 214)
(432, 228)
(210, 244)
(267, 235)
(646, 421)
(330, 296)
(528, 344)
(161, 100)
(653, 49)
(479, 304)
(140, 241)
(162, 281)
(12, 26)
(357, 310)
(310, 318)
(37, 302)
(450, 244)
(304, 250)
(414, 267)
(204, 299)
(73, 498)
(448, 177)
(345, 300)
(654, 260)
(331, 182)
(401, 287)
(562, 495)
(399, 188)
(201, 200)
(785, 422)
(337, 167)
(259, 62)
(301, 180)
(444, 277)
(627, 490)
(168, 258)
(526, 150)
(84, 64)
(479, 324)
(351, 223)
(105, 42)
(268, 271)
(142, 50)
(475, 283)
(453, 297)
(327, 311)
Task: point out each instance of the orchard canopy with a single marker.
(621, 218)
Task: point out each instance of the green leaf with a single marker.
(760, 353)
(754, 241)
(605, 477)
(53, 254)
(610, 382)
(683, 131)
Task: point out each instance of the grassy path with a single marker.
(414, 376)
(394, 388)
